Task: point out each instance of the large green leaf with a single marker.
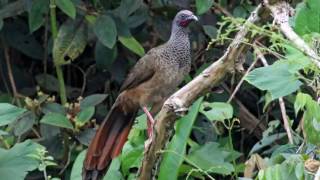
(131, 157)
(84, 115)
(106, 31)
(266, 141)
(92, 100)
(70, 42)
(312, 122)
(56, 119)
(211, 158)
(217, 111)
(16, 162)
(113, 172)
(203, 6)
(9, 113)
(76, 170)
(173, 157)
(37, 13)
(17, 35)
(307, 17)
(132, 44)
(278, 79)
(104, 56)
(67, 7)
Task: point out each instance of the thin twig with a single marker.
(241, 81)
(281, 102)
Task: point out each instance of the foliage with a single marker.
(62, 63)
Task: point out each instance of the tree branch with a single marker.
(281, 12)
(184, 97)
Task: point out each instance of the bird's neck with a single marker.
(178, 34)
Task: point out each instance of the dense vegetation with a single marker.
(62, 63)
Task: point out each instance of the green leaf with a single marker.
(132, 44)
(176, 149)
(76, 170)
(211, 31)
(47, 82)
(214, 163)
(266, 141)
(301, 101)
(113, 172)
(56, 119)
(37, 13)
(203, 6)
(9, 113)
(307, 17)
(104, 56)
(131, 157)
(217, 111)
(24, 124)
(312, 121)
(277, 79)
(16, 34)
(106, 31)
(85, 115)
(67, 7)
(53, 107)
(92, 100)
(16, 162)
(70, 42)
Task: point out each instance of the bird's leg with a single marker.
(150, 121)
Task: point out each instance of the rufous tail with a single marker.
(109, 140)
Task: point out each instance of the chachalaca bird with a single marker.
(150, 82)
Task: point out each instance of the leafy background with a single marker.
(63, 61)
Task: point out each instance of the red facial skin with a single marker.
(184, 23)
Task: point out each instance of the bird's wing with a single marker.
(142, 71)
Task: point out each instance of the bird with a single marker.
(149, 83)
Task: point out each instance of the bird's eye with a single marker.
(183, 16)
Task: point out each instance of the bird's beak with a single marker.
(194, 18)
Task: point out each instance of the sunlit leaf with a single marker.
(277, 79)
(67, 7)
(216, 111)
(132, 44)
(76, 170)
(70, 42)
(176, 149)
(307, 17)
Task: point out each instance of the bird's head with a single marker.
(184, 17)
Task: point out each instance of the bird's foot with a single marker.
(150, 122)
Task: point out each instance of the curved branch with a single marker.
(184, 97)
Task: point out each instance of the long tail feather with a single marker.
(108, 141)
